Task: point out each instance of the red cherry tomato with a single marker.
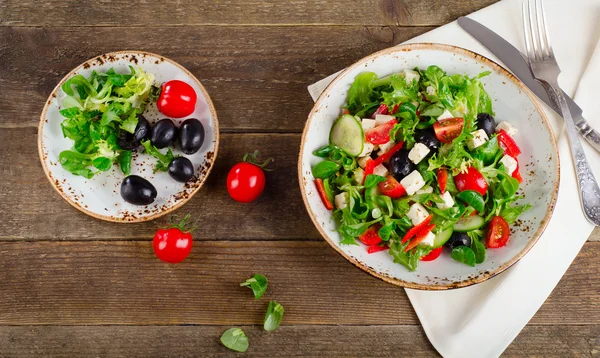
(508, 145)
(517, 174)
(392, 188)
(172, 245)
(177, 99)
(380, 134)
(382, 109)
(371, 236)
(245, 182)
(376, 248)
(448, 129)
(434, 254)
(471, 180)
(442, 176)
(498, 233)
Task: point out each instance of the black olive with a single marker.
(458, 239)
(191, 135)
(428, 138)
(181, 169)
(487, 123)
(137, 190)
(128, 141)
(400, 165)
(142, 129)
(164, 133)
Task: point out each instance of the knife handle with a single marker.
(590, 134)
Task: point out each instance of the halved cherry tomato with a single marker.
(471, 180)
(421, 235)
(380, 134)
(517, 174)
(448, 129)
(323, 194)
(382, 109)
(392, 188)
(177, 99)
(415, 229)
(371, 236)
(442, 176)
(508, 145)
(376, 248)
(498, 233)
(434, 254)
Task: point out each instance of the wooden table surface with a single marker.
(74, 286)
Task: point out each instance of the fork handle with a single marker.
(590, 134)
(589, 192)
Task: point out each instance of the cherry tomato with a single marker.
(376, 248)
(382, 109)
(508, 145)
(434, 254)
(246, 180)
(392, 188)
(448, 129)
(177, 99)
(471, 180)
(371, 236)
(323, 194)
(380, 134)
(517, 174)
(498, 233)
(442, 176)
(172, 245)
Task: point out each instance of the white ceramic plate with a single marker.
(100, 196)
(513, 102)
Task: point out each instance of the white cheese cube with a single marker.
(428, 240)
(380, 170)
(510, 164)
(359, 176)
(413, 182)
(384, 148)
(362, 161)
(410, 75)
(448, 201)
(417, 214)
(425, 190)
(341, 200)
(382, 119)
(367, 123)
(445, 115)
(431, 90)
(367, 149)
(479, 137)
(418, 153)
(508, 128)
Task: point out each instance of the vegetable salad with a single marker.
(417, 162)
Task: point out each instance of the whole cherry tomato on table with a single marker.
(177, 99)
(246, 180)
(173, 243)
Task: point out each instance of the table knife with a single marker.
(517, 64)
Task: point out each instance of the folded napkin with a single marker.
(490, 315)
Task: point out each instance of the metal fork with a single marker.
(545, 69)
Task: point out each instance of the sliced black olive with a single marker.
(128, 141)
(181, 169)
(458, 239)
(400, 165)
(428, 138)
(487, 123)
(191, 135)
(164, 133)
(137, 190)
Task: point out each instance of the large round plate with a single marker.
(513, 102)
(99, 197)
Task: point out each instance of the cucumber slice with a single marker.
(442, 237)
(469, 223)
(347, 134)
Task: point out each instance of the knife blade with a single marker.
(518, 65)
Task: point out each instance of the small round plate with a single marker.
(100, 196)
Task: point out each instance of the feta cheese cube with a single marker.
(479, 137)
(448, 201)
(410, 75)
(445, 115)
(367, 123)
(425, 190)
(341, 200)
(362, 161)
(510, 164)
(413, 182)
(418, 153)
(367, 149)
(431, 90)
(359, 176)
(384, 148)
(507, 127)
(380, 170)
(417, 214)
(428, 240)
(382, 119)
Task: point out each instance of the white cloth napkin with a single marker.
(482, 320)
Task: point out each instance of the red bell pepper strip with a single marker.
(421, 235)
(517, 174)
(508, 144)
(416, 229)
(374, 249)
(382, 109)
(442, 176)
(372, 163)
(395, 109)
(434, 254)
(323, 194)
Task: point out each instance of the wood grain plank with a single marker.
(287, 341)
(256, 76)
(115, 283)
(234, 12)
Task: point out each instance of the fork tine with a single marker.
(526, 30)
(544, 29)
(535, 37)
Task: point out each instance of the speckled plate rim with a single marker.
(500, 70)
(209, 163)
